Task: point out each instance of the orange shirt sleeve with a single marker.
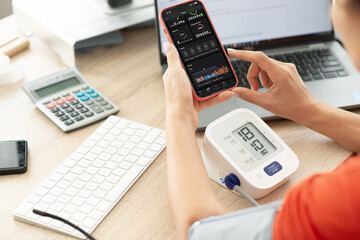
(324, 206)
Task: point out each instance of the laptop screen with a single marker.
(247, 23)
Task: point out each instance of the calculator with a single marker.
(69, 100)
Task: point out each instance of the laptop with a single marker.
(297, 31)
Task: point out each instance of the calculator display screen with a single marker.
(46, 91)
(254, 141)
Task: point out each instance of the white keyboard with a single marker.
(93, 179)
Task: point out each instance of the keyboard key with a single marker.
(69, 110)
(55, 109)
(318, 76)
(98, 99)
(151, 136)
(331, 63)
(343, 73)
(330, 75)
(89, 91)
(80, 94)
(143, 161)
(79, 118)
(74, 102)
(155, 147)
(64, 118)
(331, 69)
(96, 108)
(125, 165)
(103, 103)
(89, 114)
(307, 78)
(60, 102)
(124, 183)
(64, 106)
(78, 106)
(94, 95)
(84, 98)
(83, 110)
(69, 122)
(69, 98)
(60, 114)
(149, 153)
(108, 107)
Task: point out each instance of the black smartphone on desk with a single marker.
(13, 157)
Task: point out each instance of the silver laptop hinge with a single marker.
(317, 45)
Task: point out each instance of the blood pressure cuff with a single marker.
(251, 223)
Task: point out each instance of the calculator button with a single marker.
(65, 94)
(60, 114)
(60, 101)
(80, 94)
(89, 102)
(69, 122)
(69, 110)
(89, 114)
(84, 98)
(65, 105)
(108, 107)
(84, 88)
(96, 108)
(76, 91)
(50, 105)
(77, 106)
(83, 110)
(94, 95)
(69, 98)
(74, 114)
(98, 99)
(46, 102)
(64, 118)
(74, 102)
(90, 91)
(79, 118)
(56, 98)
(103, 103)
(55, 109)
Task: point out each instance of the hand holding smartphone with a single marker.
(202, 55)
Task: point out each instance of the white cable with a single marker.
(9, 73)
(246, 196)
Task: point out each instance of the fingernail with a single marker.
(166, 47)
(231, 50)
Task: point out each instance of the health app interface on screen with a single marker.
(199, 49)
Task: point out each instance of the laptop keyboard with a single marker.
(312, 65)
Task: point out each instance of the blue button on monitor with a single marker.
(80, 94)
(90, 91)
(85, 98)
(273, 168)
(94, 95)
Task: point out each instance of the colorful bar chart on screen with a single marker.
(210, 73)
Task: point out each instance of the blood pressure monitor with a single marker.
(243, 144)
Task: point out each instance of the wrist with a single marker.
(180, 119)
(313, 113)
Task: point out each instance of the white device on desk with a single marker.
(242, 144)
(91, 181)
(68, 100)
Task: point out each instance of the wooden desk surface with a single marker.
(130, 76)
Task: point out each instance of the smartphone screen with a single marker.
(200, 50)
(12, 154)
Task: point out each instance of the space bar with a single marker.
(124, 182)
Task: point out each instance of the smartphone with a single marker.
(13, 157)
(189, 28)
